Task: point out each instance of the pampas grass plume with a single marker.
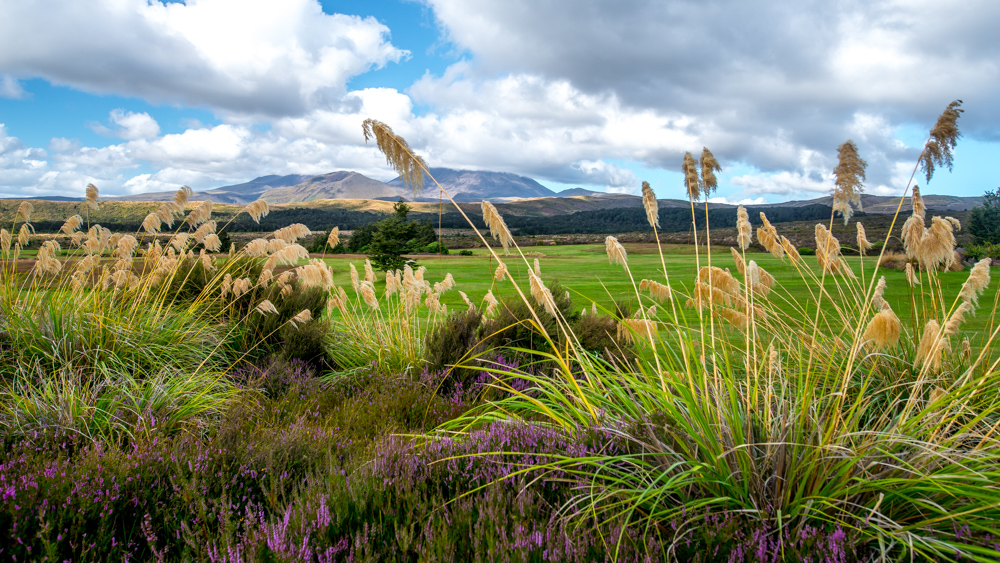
(709, 166)
(498, 228)
(398, 154)
(691, 180)
(943, 138)
(334, 239)
(257, 210)
(92, 196)
(501, 272)
(979, 279)
(369, 272)
(863, 244)
(304, 316)
(849, 178)
(649, 203)
(71, 225)
(367, 291)
(616, 252)
(744, 229)
(884, 329)
(265, 307)
(24, 211)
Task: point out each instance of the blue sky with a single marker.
(601, 95)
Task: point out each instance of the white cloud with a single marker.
(737, 201)
(245, 57)
(129, 125)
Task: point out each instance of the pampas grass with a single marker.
(650, 205)
(615, 251)
(849, 178)
(498, 228)
(943, 139)
(397, 153)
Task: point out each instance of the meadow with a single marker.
(164, 398)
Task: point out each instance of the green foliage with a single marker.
(453, 342)
(386, 241)
(984, 220)
(318, 245)
(464, 252)
(986, 250)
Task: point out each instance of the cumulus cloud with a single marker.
(129, 125)
(10, 88)
(753, 80)
(246, 57)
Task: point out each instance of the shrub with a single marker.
(465, 252)
(455, 341)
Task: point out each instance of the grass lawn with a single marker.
(585, 271)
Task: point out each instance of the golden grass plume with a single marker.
(398, 154)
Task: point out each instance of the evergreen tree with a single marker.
(984, 220)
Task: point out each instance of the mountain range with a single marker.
(468, 186)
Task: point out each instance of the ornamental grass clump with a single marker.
(819, 413)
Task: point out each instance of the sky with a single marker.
(142, 95)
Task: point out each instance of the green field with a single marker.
(585, 271)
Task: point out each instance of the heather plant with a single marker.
(825, 417)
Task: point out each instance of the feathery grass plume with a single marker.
(166, 214)
(541, 294)
(828, 252)
(71, 225)
(241, 286)
(789, 248)
(291, 254)
(691, 180)
(932, 347)
(738, 319)
(709, 166)
(593, 307)
(393, 282)
(956, 318)
(498, 228)
(741, 265)
(629, 329)
(491, 303)
(226, 286)
(180, 241)
(291, 233)
(911, 275)
(649, 203)
(369, 272)
(884, 329)
(151, 224)
(257, 210)
(721, 279)
(367, 291)
(538, 268)
(199, 214)
(334, 239)
(917, 203)
(743, 228)
(113, 240)
(849, 180)
(24, 211)
(256, 248)
(265, 307)
(304, 316)
(92, 196)
(397, 153)
(954, 223)
(419, 273)
(501, 272)
(355, 280)
(433, 302)
(212, 243)
(758, 279)
(465, 298)
(767, 236)
(446, 284)
(126, 247)
(979, 279)
(704, 293)
(863, 244)
(937, 246)
(5, 240)
(651, 312)
(616, 252)
(24, 234)
(181, 197)
(206, 261)
(943, 138)
(878, 296)
(203, 231)
(656, 290)
(410, 280)
(276, 244)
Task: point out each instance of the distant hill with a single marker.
(336, 185)
(239, 194)
(572, 192)
(477, 185)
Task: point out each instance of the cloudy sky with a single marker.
(142, 95)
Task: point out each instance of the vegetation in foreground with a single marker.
(167, 402)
